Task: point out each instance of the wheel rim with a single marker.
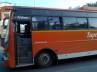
(45, 59)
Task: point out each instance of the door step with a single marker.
(24, 65)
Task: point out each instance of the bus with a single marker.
(42, 36)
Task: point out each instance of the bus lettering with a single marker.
(91, 35)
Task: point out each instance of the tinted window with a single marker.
(92, 23)
(69, 23)
(75, 23)
(45, 23)
(39, 23)
(82, 23)
(54, 23)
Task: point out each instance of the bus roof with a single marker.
(38, 11)
(57, 9)
(43, 8)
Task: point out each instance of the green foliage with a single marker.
(92, 4)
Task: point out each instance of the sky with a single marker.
(64, 4)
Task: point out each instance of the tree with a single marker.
(92, 4)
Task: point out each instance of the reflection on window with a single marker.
(75, 23)
(92, 23)
(54, 23)
(69, 23)
(39, 23)
(82, 23)
(58, 23)
(45, 23)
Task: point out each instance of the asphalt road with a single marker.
(87, 64)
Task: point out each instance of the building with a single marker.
(88, 8)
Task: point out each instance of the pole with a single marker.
(34, 3)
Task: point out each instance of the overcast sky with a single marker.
(50, 3)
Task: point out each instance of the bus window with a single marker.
(82, 23)
(23, 27)
(54, 23)
(92, 23)
(39, 23)
(69, 23)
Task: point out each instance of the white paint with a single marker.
(40, 42)
(92, 35)
(45, 42)
(70, 41)
(79, 54)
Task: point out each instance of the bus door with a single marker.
(23, 42)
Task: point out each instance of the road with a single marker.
(87, 64)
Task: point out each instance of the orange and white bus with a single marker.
(41, 36)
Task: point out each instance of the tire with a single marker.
(44, 59)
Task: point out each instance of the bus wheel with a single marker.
(44, 59)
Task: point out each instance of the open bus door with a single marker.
(23, 42)
(5, 37)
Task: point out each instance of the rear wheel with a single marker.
(44, 59)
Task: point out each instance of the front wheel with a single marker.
(44, 59)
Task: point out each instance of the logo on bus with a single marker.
(92, 35)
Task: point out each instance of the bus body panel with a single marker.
(65, 42)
